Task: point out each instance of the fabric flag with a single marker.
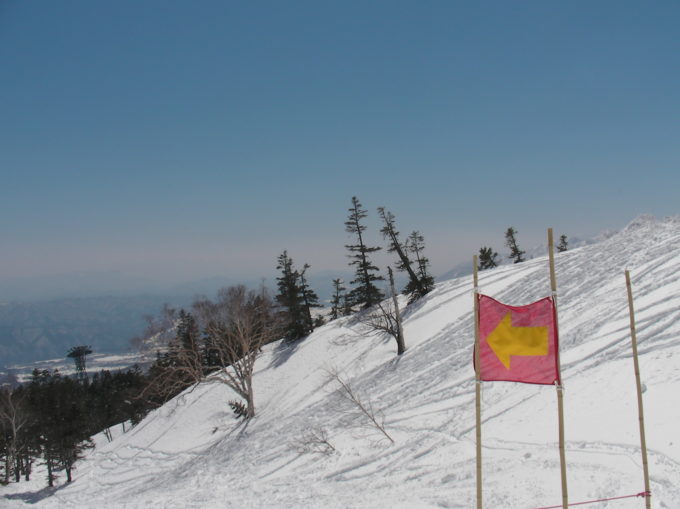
(518, 343)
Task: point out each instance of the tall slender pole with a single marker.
(401, 344)
(560, 402)
(478, 387)
(641, 418)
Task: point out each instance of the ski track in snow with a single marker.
(193, 453)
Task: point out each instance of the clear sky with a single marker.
(182, 139)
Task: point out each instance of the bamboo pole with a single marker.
(560, 397)
(478, 386)
(641, 418)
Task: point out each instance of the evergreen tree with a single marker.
(53, 416)
(488, 258)
(415, 287)
(61, 421)
(309, 298)
(212, 360)
(188, 335)
(347, 305)
(562, 246)
(112, 398)
(185, 350)
(366, 293)
(516, 253)
(176, 366)
(415, 244)
(292, 300)
(70, 425)
(337, 298)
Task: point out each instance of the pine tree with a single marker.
(488, 258)
(61, 420)
(187, 331)
(415, 244)
(291, 299)
(366, 293)
(211, 355)
(186, 349)
(309, 298)
(415, 287)
(70, 422)
(510, 241)
(562, 246)
(337, 298)
(347, 305)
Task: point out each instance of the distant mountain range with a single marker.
(97, 284)
(32, 331)
(88, 312)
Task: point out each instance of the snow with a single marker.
(193, 453)
(94, 363)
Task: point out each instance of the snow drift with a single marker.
(193, 453)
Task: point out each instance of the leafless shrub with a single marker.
(384, 317)
(363, 407)
(314, 440)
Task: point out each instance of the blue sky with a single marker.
(173, 140)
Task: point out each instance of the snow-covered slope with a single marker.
(193, 453)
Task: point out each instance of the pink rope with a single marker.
(642, 494)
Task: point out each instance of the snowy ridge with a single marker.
(465, 268)
(193, 453)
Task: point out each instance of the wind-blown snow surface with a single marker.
(193, 453)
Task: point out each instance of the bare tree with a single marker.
(235, 327)
(180, 364)
(13, 417)
(363, 407)
(386, 318)
(314, 440)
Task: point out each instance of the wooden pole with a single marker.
(478, 386)
(560, 402)
(641, 418)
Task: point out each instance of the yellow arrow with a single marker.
(506, 340)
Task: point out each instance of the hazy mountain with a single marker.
(75, 284)
(35, 330)
(31, 331)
